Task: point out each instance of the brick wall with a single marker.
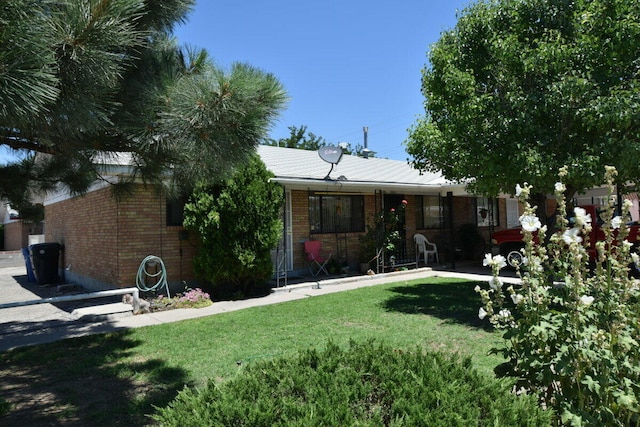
(463, 212)
(16, 234)
(299, 225)
(142, 231)
(105, 240)
(344, 247)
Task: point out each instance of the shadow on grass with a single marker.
(92, 380)
(454, 302)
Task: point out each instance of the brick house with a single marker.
(105, 239)
(18, 233)
(322, 200)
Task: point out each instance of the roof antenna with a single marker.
(330, 154)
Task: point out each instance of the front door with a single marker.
(394, 201)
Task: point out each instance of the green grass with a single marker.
(116, 379)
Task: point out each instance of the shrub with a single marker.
(368, 384)
(572, 338)
(238, 223)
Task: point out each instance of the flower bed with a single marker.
(191, 298)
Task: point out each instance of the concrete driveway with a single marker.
(46, 322)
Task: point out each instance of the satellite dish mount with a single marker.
(330, 154)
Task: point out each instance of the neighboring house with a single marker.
(18, 233)
(105, 240)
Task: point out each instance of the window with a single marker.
(336, 214)
(429, 212)
(175, 211)
(513, 213)
(486, 212)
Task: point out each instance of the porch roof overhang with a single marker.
(343, 186)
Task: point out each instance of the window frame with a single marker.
(492, 218)
(320, 204)
(421, 208)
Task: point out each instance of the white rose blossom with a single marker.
(504, 313)
(530, 223)
(495, 283)
(482, 313)
(582, 217)
(487, 260)
(490, 261)
(586, 300)
(500, 261)
(516, 298)
(572, 236)
(518, 190)
(560, 187)
(616, 222)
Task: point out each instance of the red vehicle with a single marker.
(508, 243)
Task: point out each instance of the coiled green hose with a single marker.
(160, 275)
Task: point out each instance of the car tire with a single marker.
(514, 257)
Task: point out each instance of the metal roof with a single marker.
(305, 169)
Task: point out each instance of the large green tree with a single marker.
(520, 88)
(300, 139)
(81, 79)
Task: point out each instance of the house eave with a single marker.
(332, 185)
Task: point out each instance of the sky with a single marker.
(345, 64)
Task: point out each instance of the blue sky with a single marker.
(345, 64)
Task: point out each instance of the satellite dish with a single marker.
(330, 154)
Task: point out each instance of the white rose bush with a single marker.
(572, 324)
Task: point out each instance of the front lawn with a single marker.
(115, 379)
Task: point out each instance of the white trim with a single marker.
(353, 186)
(289, 230)
(63, 194)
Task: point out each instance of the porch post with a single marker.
(452, 236)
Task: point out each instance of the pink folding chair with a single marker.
(314, 259)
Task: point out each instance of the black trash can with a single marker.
(46, 258)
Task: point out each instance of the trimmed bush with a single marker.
(368, 384)
(238, 224)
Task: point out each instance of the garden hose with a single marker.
(160, 276)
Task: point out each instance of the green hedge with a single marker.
(368, 384)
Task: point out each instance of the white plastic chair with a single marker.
(424, 248)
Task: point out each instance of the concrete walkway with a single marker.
(43, 323)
